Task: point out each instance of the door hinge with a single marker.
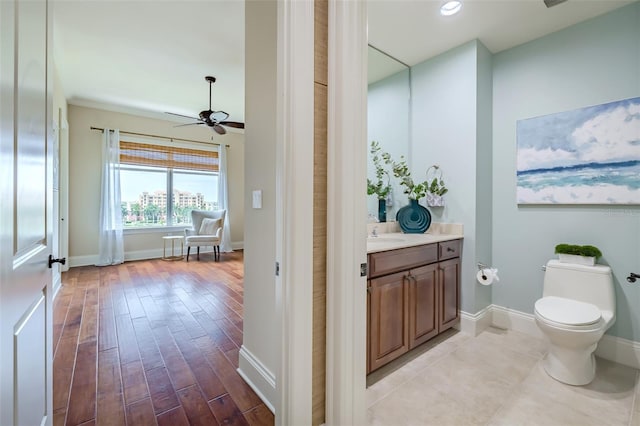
(277, 269)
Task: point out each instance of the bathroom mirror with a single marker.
(388, 104)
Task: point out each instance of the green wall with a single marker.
(451, 127)
(594, 62)
(388, 124)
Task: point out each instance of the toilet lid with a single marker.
(567, 311)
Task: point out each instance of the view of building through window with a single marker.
(155, 196)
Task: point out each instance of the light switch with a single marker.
(257, 199)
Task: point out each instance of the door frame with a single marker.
(346, 213)
(294, 207)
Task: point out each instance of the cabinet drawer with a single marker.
(397, 260)
(449, 249)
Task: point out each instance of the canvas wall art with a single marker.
(586, 156)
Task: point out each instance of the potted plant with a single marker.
(435, 187)
(582, 255)
(414, 191)
(379, 187)
(413, 218)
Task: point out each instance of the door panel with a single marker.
(388, 318)
(30, 149)
(423, 318)
(25, 213)
(30, 391)
(449, 293)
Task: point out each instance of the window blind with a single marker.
(143, 154)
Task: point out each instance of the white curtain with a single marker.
(223, 198)
(111, 245)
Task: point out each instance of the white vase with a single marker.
(578, 260)
(434, 200)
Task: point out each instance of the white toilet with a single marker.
(577, 307)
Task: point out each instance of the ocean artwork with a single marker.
(586, 156)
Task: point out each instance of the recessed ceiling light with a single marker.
(450, 7)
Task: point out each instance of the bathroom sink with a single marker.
(383, 239)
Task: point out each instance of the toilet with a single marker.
(577, 307)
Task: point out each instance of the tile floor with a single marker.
(495, 379)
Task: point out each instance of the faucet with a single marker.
(374, 231)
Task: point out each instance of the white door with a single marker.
(25, 213)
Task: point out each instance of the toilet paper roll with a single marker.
(484, 278)
(487, 276)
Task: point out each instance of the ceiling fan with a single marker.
(213, 119)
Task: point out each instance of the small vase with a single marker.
(434, 200)
(382, 210)
(413, 218)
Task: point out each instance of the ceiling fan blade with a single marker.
(218, 116)
(219, 129)
(235, 124)
(180, 115)
(190, 124)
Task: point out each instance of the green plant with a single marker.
(379, 187)
(589, 251)
(414, 191)
(436, 187)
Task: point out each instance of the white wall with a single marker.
(260, 351)
(84, 180)
(594, 62)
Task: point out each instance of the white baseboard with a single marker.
(92, 259)
(261, 380)
(511, 319)
(474, 324)
(87, 260)
(129, 256)
(237, 245)
(616, 349)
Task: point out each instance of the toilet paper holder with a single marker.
(482, 267)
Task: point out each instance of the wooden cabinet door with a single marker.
(423, 303)
(449, 283)
(388, 319)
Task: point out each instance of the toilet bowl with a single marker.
(577, 307)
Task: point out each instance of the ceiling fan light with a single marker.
(450, 7)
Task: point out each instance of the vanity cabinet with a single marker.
(413, 295)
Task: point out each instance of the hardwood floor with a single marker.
(152, 343)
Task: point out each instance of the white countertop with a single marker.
(397, 240)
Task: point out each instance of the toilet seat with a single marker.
(567, 312)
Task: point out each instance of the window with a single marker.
(160, 185)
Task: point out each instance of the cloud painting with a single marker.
(586, 156)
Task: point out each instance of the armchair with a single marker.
(207, 231)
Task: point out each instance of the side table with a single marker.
(173, 239)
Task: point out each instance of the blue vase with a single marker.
(413, 218)
(382, 210)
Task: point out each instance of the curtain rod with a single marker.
(160, 137)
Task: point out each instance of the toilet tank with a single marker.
(590, 284)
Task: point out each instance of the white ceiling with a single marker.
(153, 55)
(413, 30)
